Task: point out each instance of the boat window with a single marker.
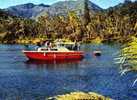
(54, 49)
(44, 49)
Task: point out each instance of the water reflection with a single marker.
(53, 64)
(39, 62)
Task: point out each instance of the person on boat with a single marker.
(48, 44)
(76, 46)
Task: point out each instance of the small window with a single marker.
(44, 49)
(54, 49)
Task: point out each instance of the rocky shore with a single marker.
(80, 96)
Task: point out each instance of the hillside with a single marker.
(13, 27)
(27, 10)
(116, 24)
(60, 8)
(119, 22)
(4, 18)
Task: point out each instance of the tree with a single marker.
(86, 13)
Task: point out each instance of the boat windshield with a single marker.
(68, 45)
(47, 49)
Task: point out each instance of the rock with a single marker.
(80, 96)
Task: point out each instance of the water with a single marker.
(27, 80)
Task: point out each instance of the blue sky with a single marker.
(101, 3)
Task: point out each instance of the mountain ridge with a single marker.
(31, 10)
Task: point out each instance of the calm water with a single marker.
(27, 80)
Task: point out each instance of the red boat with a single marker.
(56, 53)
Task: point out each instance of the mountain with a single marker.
(5, 14)
(31, 10)
(27, 10)
(125, 9)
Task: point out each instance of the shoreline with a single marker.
(34, 41)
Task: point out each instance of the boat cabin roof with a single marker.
(65, 43)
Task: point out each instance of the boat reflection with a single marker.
(71, 61)
(53, 64)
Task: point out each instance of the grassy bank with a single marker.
(129, 51)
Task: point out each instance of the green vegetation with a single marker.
(13, 28)
(129, 51)
(128, 57)
(117, 24)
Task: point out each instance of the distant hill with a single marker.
(5, 14)
(31, 10)
(126, 8)
(27, 10)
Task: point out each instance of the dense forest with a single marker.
(116, 24)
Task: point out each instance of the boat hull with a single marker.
(53, 55)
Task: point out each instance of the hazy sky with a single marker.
(101, 3)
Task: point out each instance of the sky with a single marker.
(102, 3)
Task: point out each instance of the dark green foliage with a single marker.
(12, 28)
